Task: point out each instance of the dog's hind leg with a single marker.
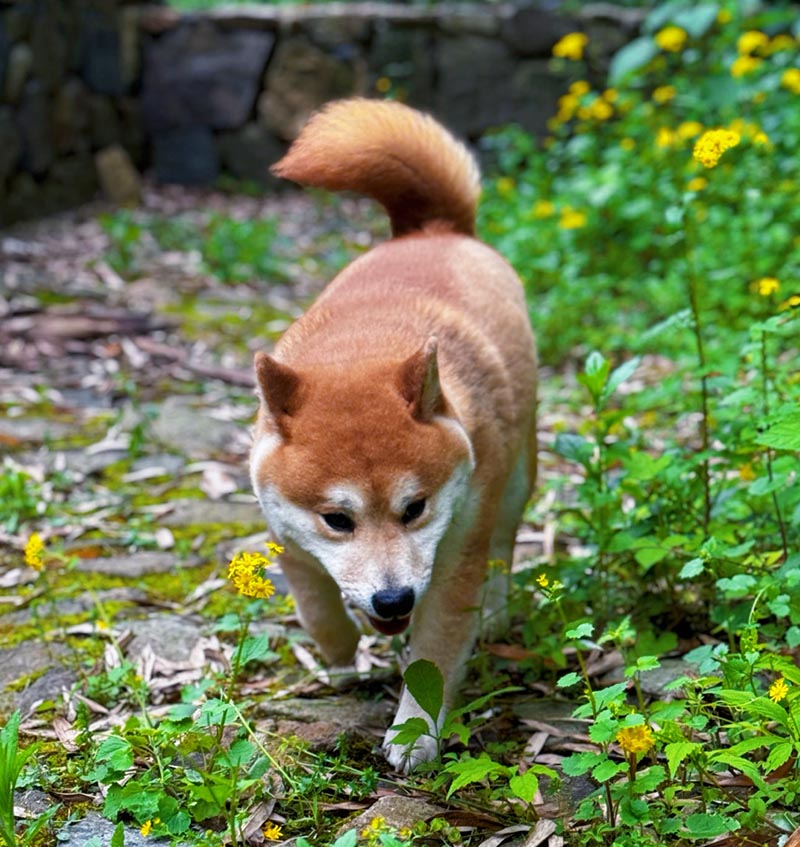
(319, 604)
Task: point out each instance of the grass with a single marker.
(666, 299)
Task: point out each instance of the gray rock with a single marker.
(171, 637)
(18, 69)
(198, 74)
(458, 19)
(71, 117)
(105, 127)
(249, 152)
(101, 51)
(186, 156)
(32, 430)
(207, 512)
(10, 144)
(71, 180)
(533, 30)
(19, 203)
(34, 120)
(135, 565)
(48, 45)
(24, 660)
(396, 810)
(48, 687)
(94, 826)
(407, 58)
(300, 78)
(119, 179)
(184, 425)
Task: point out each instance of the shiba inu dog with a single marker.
(395, 445)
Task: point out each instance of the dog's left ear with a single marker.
(280, 389)
(419, 383)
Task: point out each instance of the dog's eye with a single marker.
(413, 510)
(339, 521)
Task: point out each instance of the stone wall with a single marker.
(195, 96)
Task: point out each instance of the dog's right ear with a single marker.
(280, 390)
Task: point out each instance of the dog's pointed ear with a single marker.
(419, 383)
(280, 390)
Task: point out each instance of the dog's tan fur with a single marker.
(412, 376)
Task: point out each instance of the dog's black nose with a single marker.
(393, 602)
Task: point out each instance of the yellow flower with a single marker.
(383, 84)
(746, 473)
(778, 690)
(665, 137)
(627, 143)
(671, 38)
(664, 93)
(543, 209)
(572, 218)
(744, 65)
(779, 43)
(542, 581)
(724, 16)
(273, 549)
(245, 571)
(272, 832)
(567, 106)
(697, 184)
(600, 110)
(688, 129)
(790, 79)
(145, 828)
(505, 185)
(571, 46)
(635, 739)
(760, 138)
(792, 302)
(34, 552)
(751, 41)
(766, 285)
(610, 95)
(580, 87)
(708, 149)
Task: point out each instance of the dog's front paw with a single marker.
(404, 757)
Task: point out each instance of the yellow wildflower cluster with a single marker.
(744, 65)
(543, 209)
(246, 572)
(792, 302)
(272, 832)
(34, 552)
(572, 218)
(790, 79)
(751, 41)
(571, 104)
(778, 690)
(635, 739)
(688, 129)
(571, 46)
(664, 93)
(671, 38)
(698, 183)
(766, 285)
(147, 826)
(712, 144)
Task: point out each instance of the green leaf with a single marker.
(118, 838)
(697, 20)
(782, 432)
(677, 752)
(524, 786)
(693, 568)
(580, 763)
(347, 839)
(701, 825)
(574, 447)
(254, 649)
(568, 680)
(779, 755)
(471, 770)
(410, 731)
(649, 556)
(582, 630)
(648, 780)
(608, 769)
(595, 374)
(630, 58)
(426, 685)
(619, 375)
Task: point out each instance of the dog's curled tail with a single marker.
(402, 158)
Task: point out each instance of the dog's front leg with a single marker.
(321, 610)
(445, 626)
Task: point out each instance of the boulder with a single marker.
(119, 179)
(300, 78)
(249, 152)
(186, 156)
(10, 145)
(533, 30)
(35, 123)
(18, 69)
(101, 51)
(406, 57)
(71, 117)
(198, 74)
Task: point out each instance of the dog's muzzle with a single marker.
(393, 608)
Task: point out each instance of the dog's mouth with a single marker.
(390, 626)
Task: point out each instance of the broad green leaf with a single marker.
(472, 770)
(410, 731)
(630, 58)
(649, 556)
(347, 839)
(649, 779)
(697, 20)
(608, 770)
(582, 630)
(779, 755)
(782, 432)
(619, 375)
(426, 684)
(580, 763)
(693, 568)
(701, 825)
(568, 680)
(524, 786)
(118, 837)
(574, 447)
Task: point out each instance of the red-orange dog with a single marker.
(395, 446)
